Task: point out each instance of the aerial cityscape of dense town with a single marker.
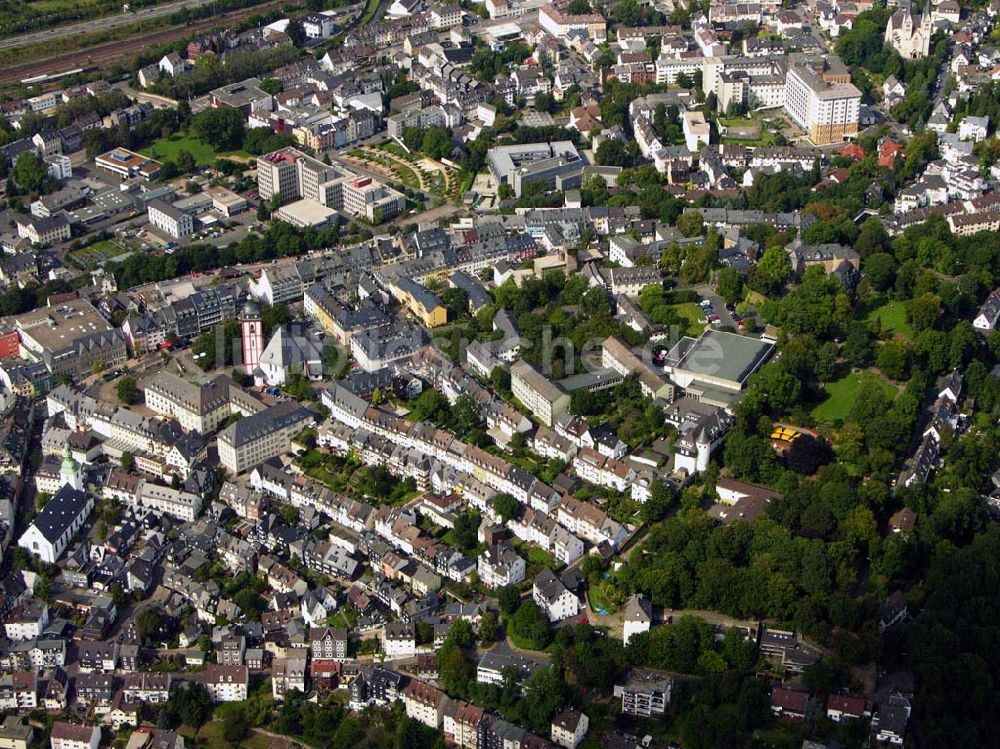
(612, 374)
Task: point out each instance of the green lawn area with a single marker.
(690, 313)
(394, 148)
(765, 138)
(210, 737)
(779, 737)
(841, 395)
(537, 555)
(166, 149)
(892, 317)
(345, 617)
(598, 598)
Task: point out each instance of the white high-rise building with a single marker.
(821, 99)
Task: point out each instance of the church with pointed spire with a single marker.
(52, 529)
(910, 34)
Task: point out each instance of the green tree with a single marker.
(455, 670)
(250, 602)
(289, 514)
(507, 507)
(691, 223)
(729, 285)
(594, 191)
(529, 627)
(234, 724)
(872, 238)
(880, 270)
(147, 624)
(457, 302)
(296, 32)
(894, 360)
(509, 599)
(613, 152)
(771, 271)
(185, 161)
(923, 311)
(466, 529)
(192, 703)
(859, 345)
(222, 128)
(436, 143)
(271, 85)
(488, 628)
(127, 391)
(29, 172)
(544, 695)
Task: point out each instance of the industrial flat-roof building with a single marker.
(305, 213)
(246, 96)
(716, 361)
(127, 164)
(557, 164)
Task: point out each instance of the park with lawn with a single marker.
(692, 317)
(169, 148)
(841, 395)
(891, 318)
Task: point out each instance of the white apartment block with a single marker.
(399, 640)
(28, 622)
(74, 736)
(569, 727)
(227, 683)
(170, 219)
(500, 565)
(696, 130)
(554, 599)
(166, 501)
(424, 703)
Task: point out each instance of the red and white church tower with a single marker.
(252, 327)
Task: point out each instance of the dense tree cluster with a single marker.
(689, 646)
(461, 419)
(279, 241)
(557, 317)
(487, 64)
(210, 72)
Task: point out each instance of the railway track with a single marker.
(109, 53)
